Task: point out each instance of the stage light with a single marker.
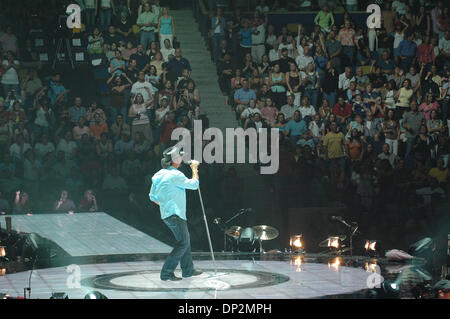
(390, 289)
(296, 243)
(2, 251)
(59, 295)
(95, 295)
(333, 242)
(335, 264)
(370, 245)
(2, 272)
(371, 267)
(387, 290)
(297, 261)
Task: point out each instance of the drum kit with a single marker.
(335, 245)
(247, 238)
(244, 238)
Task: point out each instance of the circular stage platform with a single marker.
(149, 280)
(260, 279)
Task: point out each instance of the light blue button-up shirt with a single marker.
(168, 189)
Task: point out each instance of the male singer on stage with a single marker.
(168, 191)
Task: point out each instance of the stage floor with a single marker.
(235, 279)
(106, 255)
(89, 234)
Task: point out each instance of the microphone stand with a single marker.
(207, 231)
(241, 211)
(353, 231)
(29, 281)
(235, 216)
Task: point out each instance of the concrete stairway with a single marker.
(213, 104)
(203, 70)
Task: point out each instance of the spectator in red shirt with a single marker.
(98, 127)
(425, 51)
(166, 129)
(343, 112)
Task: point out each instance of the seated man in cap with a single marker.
(168, 191)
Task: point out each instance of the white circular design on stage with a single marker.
(207, 280)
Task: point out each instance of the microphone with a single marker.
(245, 210)
(193, 162)
(339, 219)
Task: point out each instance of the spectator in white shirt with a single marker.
(167, 50)
(10, 78)
(289, 108)
(249, 111)
(444, 49)
(306, 109)
(435, 13)
(67, 146)
(258, 37)
(8, 41)
(274, 54)
(42, 148)
(345, 79)
(145, 88)
(317, 129)
(18, 149)
(304, 59)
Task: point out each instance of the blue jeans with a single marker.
(294, 139)
(216, 39)
(332, 162)
(147, 37)
(105, 18)
(312, 94)
(181, 253)
(349, 52)
(409, 145)
(331, 97)
(8, 87)
(406, 63)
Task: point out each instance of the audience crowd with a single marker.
(60, 150)
(362, 113)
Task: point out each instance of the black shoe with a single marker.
(195, 273)
(171, 278)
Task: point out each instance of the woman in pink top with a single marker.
(128, 51)
(269, 112)
(236, 82)
(425, 51)
(428, 105)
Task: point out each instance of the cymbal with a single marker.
(264, 232)
(234, 231)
